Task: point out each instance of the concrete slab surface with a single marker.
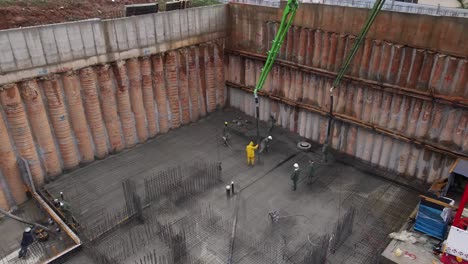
(380, 206)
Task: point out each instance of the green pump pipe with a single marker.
(370, 20)
(286, 21)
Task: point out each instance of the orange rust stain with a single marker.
(71, 87)
(3, 201)
(302, 46)
(136, 97)
(332, 56)
(395, 67)
(447, 130)
(414, 116)
(405, 66)
(368, 99)
(59, 119)
(437, 73)
(172, 88)
(109, 108)
(376, 106)
(423, 125)
(193, 83)
(9, 166)
(160, 94)
(289, 44)
(20, 131)
(148, 96)
(93, 111)
(220, 78)
(351, 141)
(299, 83)
(460, 86)
(210, 80)
(284, 89)
(123, 105)
(375, 62)
(183, 87)
(385, 63)
(452, 64)
(426, 70)
(202, 80)
(366, 57)
(317, 48)
(309, 47)
(416, 69)
(325, 50)
(460, 129)
(40, 126)
(276, 79)
(340, 52)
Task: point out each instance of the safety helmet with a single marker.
(226, 123)
(27, 229)
(270, 138)
(296, 165)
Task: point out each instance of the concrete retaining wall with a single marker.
(34, 51)
(75, 92)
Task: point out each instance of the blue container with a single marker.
(429, 221)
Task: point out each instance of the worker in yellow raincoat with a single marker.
(250, 149)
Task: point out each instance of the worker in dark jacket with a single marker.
(26, 241)
(310, 172)
(295, 176)
(67, 212)
(226, 133)
(264, 144)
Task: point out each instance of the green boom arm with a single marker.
(286, 21)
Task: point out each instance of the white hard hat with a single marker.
(27, 229)
(296, 165)
(270, 138)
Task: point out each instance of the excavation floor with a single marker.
(380, 206)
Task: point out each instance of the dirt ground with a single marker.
(24, 13)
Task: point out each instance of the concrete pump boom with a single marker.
(286, 21)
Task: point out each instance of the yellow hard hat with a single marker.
(226, 123)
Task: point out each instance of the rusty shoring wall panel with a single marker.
(353, 121)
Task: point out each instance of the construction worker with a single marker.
(250, 150)
(325, 152)
(67, 213)
(295, 176)
(226, 133)
(264, 144)
(26, 241)
(271, 123)
(310, 172)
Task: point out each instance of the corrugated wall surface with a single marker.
(413, 161)
(400, 107)
(64, 119)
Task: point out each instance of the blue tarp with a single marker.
(429, 221)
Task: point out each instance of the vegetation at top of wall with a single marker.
(463, 3)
